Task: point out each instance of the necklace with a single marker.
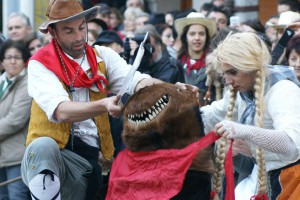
(70, 87)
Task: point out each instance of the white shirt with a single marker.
(282, 112)
(48, 92)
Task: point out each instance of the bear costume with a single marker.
(162, 131)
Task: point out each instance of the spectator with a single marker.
(116, 19)
(104, 13)
(141, 19)
(18, 26)
(170, 16)
(135, 4)
(195, 32)
(293, 54)
(46, 38)
(288, 5)
(91, 36)
(14, 117)
(167, 37)
(110, 39)
(97, 25)
(207, 8)
(270, 31)
(220, 16)
(33, 43)
(130, 16)
(160, 64)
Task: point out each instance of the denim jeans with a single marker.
(16, 190)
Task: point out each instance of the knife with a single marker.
(137, 61)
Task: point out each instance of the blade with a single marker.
(128, 79)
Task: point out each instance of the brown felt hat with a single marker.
(64, 10)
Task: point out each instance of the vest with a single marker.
(40, 126)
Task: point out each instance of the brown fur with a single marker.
(178, 125)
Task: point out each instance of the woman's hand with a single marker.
(225, 129)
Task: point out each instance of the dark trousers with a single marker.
(91, 155)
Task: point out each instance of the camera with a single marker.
(149, 49)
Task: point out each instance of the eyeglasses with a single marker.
(10, 58)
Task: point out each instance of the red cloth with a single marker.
(229, 174)
(152, 175)
(49, 57)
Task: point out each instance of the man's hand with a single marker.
(112, 106)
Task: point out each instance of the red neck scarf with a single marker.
(49, 57)
(197, 65)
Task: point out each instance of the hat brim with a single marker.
(88, 14)
(208, 23)
(279, 27)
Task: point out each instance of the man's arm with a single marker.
(69, 111)
(146, 82)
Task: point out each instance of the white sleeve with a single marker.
(117, 69)
(284, 109)
(214, 113)
(45, 88)
(276, 141)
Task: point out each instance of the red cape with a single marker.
(152, 175)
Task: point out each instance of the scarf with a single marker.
(49, 57)
(197, 65)
(276, 73)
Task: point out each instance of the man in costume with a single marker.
(162, 128)
(69, 125)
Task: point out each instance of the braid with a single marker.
(221, 151)
(259, 93)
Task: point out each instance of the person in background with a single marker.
(160, 64)
(166, 33)
(141, 19)
(130, 16)
(97, 25)
(104, 13)
(15, 106)
(220, 16)
(92, 35)
(218, 3)
(293, 54)
(116, 19)
(45, 38)
(270, 31)
(33, 43)
(170, 16)
(206, 8)
(69, 126)
(18, 26)
(135, 4)
(110, 39)
(254, 26)
(2, 39)
(195, 32)
(288, 5)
